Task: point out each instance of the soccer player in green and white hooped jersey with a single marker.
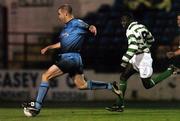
(137, 59)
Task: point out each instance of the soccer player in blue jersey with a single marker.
(69, 61)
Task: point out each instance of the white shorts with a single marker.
(143, 64)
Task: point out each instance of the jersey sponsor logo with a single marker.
(65, 34)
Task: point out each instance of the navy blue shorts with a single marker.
(70, 63)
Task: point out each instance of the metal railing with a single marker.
(20, 43)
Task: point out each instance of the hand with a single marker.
(170, 54)
(43, 51)
(93, 30)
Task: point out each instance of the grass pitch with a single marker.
(92, 114)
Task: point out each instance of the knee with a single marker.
(81, 85)
(146, 83)
(125, 75)
(123, 78)
(146, 86)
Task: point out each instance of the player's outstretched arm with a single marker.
(177, 52)
(172, 54)
(53, 46)
(93, 29)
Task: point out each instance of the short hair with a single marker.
(128, 15)
(66, 7)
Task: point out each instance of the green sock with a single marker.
(123, 86)
(162, 76)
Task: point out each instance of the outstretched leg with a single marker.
(83, 84)
(151, 82)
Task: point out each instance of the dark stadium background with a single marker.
(101, 54)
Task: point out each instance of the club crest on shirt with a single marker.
(65, 34)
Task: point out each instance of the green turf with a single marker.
(92, 114)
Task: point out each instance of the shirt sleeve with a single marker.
(132, 48)
(83, 25)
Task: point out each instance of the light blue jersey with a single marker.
(73, 35)
(71, 39)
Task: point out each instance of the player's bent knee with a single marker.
(123, 78)
(125, 75)
(82, 85)
(147, 86)
(146, 83)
